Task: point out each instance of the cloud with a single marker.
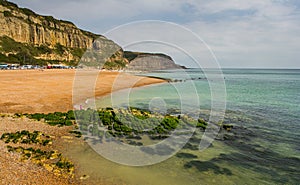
(248, 33)
(267, 38)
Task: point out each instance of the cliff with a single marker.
(26, 37)
(25, 26)
(152, 62)
(29, 38)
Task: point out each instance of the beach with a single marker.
(13, 170)
(262, 147)
(45, 91)
(36, 91)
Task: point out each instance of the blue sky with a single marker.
(241, 33)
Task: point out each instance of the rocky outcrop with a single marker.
(152, 62)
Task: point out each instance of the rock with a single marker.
(84, 177)
(48, 167)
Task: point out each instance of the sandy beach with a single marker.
(36, 91)
(33, 91)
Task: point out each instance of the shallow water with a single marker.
(262, 148)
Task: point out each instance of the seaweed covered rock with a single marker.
(26, 137)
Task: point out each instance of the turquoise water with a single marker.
(262, 148)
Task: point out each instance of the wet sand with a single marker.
(33, 91)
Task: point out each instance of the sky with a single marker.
(237, 33)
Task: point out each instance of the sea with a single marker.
(263, 147)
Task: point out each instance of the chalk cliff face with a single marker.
(25, 26)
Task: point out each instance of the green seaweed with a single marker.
(26, 137)
(120, 122)
(55, 119)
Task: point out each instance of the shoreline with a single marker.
(143, 81)
(86, 104)
(31, 91)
